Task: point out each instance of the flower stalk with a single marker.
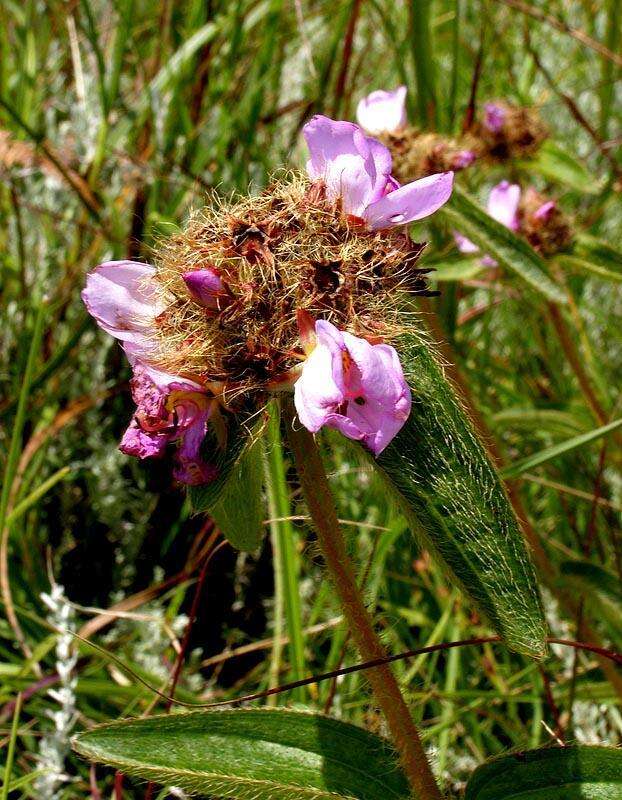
(386, 691)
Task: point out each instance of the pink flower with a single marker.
(169, 409)
(121, 297)
(383, 112)
(357, 170)
(494, 117)
(353, 386)
(502, 205)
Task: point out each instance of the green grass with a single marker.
(116, 120)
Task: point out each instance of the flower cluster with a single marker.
(539, 220)
(504, 132)
(297, 288)
(415, 153)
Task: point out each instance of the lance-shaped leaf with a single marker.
(240, 511)
(239, 437)
(466, 216)
(254, 754)
(553, 773)
(454, 500)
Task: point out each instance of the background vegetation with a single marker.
(118, 118)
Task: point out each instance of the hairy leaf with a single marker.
(240, 437)
(467, 217)
(240, 512)
(454, 499)
(254, 754)
(554, 773)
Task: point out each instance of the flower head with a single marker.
(382, 111)
(503, 202)
(356, 169)
(353, 386)
(538, 220)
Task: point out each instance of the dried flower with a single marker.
(212, 329)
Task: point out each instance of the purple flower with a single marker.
(353, 386)
(383, 112)
(169, 409)
(205, 286)
(502, 205)
(357, 170)
(494, 117)
(121, 297)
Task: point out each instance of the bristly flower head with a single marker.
(212, 329)
(528, 213)
(508, 131)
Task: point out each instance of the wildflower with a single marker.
(528, 213)
(415, 153)
(169, 409)
(357, 169)
(353, 386)
(383, 111)
(507, 131)
(211, 330)
(503, 206)
(494, 117)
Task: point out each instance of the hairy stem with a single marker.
(384, 685)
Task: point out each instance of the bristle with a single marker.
(286, 250)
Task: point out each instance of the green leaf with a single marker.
(555, 163)
(253, 754)
(553, 773)
(583, 265)
(240, 437)
(240, 512)
(454, 500)
(465, 215)
(525, 464)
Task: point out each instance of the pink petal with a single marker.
(191, 468)
(465, 245)
(341, 156)
(316, 392)
(494, 117)
(503, 204)
(382, 111)
(122, 299)
(411, 202)
(142, 444)
(545, 210)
